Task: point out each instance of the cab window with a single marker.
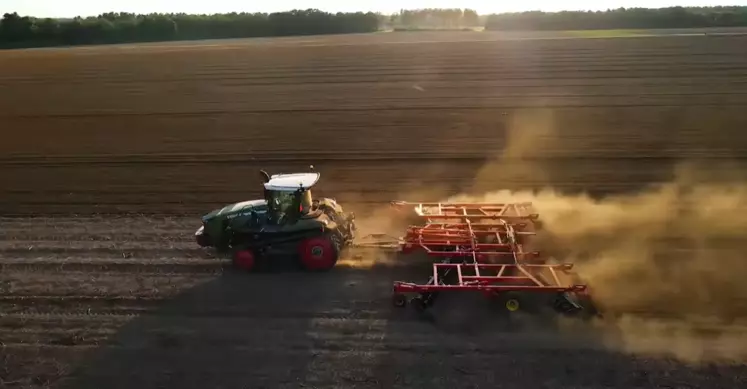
(282, 202)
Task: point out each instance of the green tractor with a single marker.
(288, 221)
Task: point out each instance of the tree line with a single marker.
(440, 18)
(621, 18)
(118, 27)
(26, 31)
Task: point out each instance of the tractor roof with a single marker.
(292, 181)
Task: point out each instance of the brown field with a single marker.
(109, 155)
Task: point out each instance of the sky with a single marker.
(69, 8)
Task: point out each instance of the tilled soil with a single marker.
(110, 155)
(103, 320)
(183, 128)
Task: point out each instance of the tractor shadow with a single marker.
(275, 329)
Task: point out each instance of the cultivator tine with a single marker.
(439, 277)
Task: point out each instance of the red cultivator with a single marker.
(485, 248)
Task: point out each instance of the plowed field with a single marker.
(109, 155)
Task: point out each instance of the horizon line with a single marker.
(386, 13)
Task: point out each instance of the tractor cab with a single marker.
(288, 196)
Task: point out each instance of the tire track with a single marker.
(561, 61)
(105, 266)
(276, 157)
(101, 252)
(9, 238)
(353, 109)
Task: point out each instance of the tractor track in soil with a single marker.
(101, 284)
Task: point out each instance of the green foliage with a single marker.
(24, 31)
(17, 31)
(435, 18)
(621, 18)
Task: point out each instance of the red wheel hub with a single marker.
(244, 260)
(317, 253)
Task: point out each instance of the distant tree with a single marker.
(116, 27)
(155, 27)
(14, 28)
(672, 17)
(436, 18)
(470, 18)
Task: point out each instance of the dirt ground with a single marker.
(632, 149)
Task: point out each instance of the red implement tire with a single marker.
(318, 253)
(244, 260)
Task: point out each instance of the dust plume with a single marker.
(376, 220)
(384, 222)
(388, 221)
(668, 261)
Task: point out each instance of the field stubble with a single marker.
(650, 129)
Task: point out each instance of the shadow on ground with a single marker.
(339, 330)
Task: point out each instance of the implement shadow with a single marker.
(269, 330)
(467, 343)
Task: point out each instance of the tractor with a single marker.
(287, 221)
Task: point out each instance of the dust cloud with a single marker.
(388, 224)
(667, 262)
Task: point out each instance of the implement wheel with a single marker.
(399, 300)
(318, 253)
(512, 302)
